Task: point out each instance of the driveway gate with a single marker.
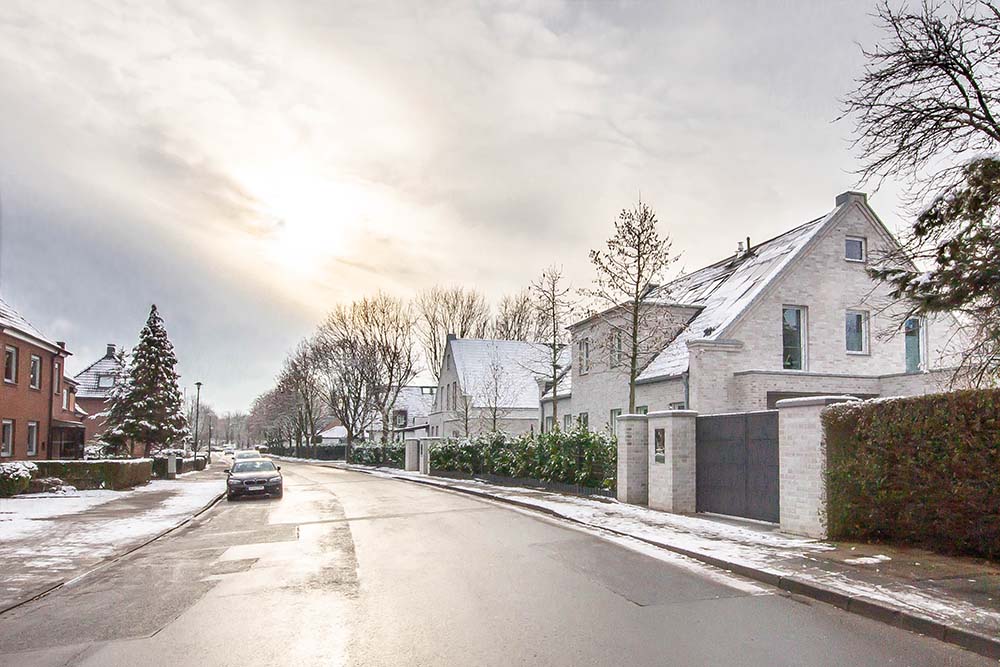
(737, 464)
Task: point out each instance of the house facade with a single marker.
(487, 385)
(409, 416)
(94, 386)
(31, 387)
(68, 429)
(794, 316)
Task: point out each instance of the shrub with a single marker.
(391, 455)
(108, 474)
(920, 470)
(15, 477)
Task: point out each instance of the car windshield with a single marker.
(253, 466)
(247, 455)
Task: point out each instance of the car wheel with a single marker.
(229, 497)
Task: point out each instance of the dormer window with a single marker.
(855, 249)
(105, 381)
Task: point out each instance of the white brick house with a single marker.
(794, 316)
(488, 385)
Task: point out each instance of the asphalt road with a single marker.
(353, 569)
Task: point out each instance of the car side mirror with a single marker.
(227, 470)
(279, 467)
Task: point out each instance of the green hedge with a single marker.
(578, 457)
(15, 477)
(391, 455)
(922, 471)
(105, 474)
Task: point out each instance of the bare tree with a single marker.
(553, 307)
(926, 111)
(350, 370)
(441, 311)
(388, 327)
(516, 318)
(636, 257)
(493, 394)
(301, 376)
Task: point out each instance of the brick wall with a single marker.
(672, 479)
(23, 404)
(633, 460)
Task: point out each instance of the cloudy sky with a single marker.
(247, 165)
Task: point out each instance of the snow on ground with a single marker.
(24, 514)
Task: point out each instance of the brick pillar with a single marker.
(802, 464)
(672, 468)
(424, 456)
(633, 459)
(412, 449)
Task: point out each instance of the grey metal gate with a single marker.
(737, 464)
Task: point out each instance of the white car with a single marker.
(244, 454)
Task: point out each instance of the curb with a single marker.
(111, 560)
(875, 610)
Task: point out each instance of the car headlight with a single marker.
(234, 482)
(274, 481)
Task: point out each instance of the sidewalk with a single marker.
(49, 539)
(953, 599)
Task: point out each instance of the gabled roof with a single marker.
(513, 366)
(13, 320)
(89, 377)
(415, 400)
(725, 290)
(337, 431)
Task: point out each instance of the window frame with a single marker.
(584, 419)
(865, 332)
(803, 337)
(642, 409)
(617, 348)
(57, 378)
(549, 424)
(921, 342)
(14, 354)
(583, 355)
(568, 422)
(105, 376)
(864, 248)
(65, 398)
(35, 379)
(613, 416)
(32, 447)
(6, 444)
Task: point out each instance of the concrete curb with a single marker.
(875, 610)
(111, 560)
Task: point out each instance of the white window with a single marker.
(10, 364)
(855, 248)
(35, 372)
(56, 378)
(677, 405)
(642, 409)
(617, 348)
(913, 333)
(32, 438)
(65, 399)
(583, 355)
(105, 381)
(613, 421)
(793, 338)
(567, 422)
(584, 419)
(549, 424)
(7, 437)
(856, 331)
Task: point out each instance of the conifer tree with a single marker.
(151, 411)
(114, 440)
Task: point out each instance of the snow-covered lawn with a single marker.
(25, 514)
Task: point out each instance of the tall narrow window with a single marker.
(65, 399)
(56, 378)
(549, 424)
(793, 324)
(567, 422)
(7, 437)
(584, 419)
(614, 418)
(583, 355)
(35, 374)
(913, 332)
(10, 364)
(857, 331)
(617, 348)
(32, 438)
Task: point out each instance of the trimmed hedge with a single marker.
(15, 477)
(923, 471)
(183, 465)
(579, 457)
(392, 455)
(107, 474)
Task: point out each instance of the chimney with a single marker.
(61, 344)
(850, 195)
(739, 249)
(450, 336)
(111, 350)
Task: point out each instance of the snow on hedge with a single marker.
(12, 470)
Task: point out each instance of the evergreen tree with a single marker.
(151, 411)
(114, 440)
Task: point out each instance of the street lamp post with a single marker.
(197, 411)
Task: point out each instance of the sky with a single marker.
(247, 165)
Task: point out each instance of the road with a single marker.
(353, 569)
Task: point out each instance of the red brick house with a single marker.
(31, 387)
(94, 386)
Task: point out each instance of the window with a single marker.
(642, 409)
(32, 438)
(400, 419)
(677, 405)
(35, 372)
(549, 424)
(7, 437)
(10, 364)
(793, 326)
(854, 249)
(659, 446)
(65, 399)
(857, 331)
(583, 355)
(613, 421)
(56, 378)
(567, 422)
(105, 381)
(617, 348)
(583, 419)
(913, 333)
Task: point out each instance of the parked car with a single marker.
(255, 477)
(228, 451)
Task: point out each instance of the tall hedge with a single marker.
(578, 457)
(923, 471)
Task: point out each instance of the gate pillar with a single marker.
(802, 464)
(412, 447)
(672, 460)
(633, 459)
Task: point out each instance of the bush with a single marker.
(108, 474)
(15, 476)
(578, 457)
(391, 455)
(922, 471)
